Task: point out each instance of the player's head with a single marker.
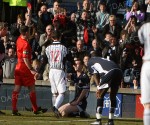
(56, 35)
(78, 65)
(94, 54)
(24, 30)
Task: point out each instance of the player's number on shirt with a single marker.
(55, 55)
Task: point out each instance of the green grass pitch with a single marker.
(48, 118)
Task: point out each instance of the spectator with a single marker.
(14, 28)
(102, 17)
(38, 5)
(112, 27)
(137, 64)
(67, 29)
(124, 39)
(45, 38)
(131, 26)
(88, 7)
(139, 14)
(147, 2)
(84, 29)
(9, 64)
(56, 9)
(36, 48)
(112, 52)
(73, 33)
(96, 48)
(78, 52)
(106, 40)
(78, 105)
(44, 19)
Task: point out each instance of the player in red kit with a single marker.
(25, 75)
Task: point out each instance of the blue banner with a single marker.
(118, 110)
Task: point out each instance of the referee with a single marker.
(56, 54)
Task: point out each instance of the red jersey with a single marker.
(23, 76)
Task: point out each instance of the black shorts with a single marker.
(113, 77)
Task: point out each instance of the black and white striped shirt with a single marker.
(56, 52)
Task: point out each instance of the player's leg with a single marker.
(146, 116)
(60, 88)
(15, 94)
(99, 108)
(114, 87)
(32, 95)
(113, 93)
(54, 96)
(59, 100)
(145, 93)
(36, 109)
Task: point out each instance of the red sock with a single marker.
(14, 100)
(33, 101)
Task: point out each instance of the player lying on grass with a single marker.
(78, 105)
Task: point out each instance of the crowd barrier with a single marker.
(128, 100)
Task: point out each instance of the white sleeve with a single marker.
(141, 35)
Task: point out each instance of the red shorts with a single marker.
(23, 76)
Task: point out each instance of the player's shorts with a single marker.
(57, 80)
(23, 76)
(113, 77)
(145, 83)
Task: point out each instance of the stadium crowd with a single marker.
(108, 28)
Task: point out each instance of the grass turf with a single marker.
(48, 118)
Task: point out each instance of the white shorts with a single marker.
(58, 80)
(145, 83)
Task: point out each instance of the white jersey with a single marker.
(56, 53)
(144, 37)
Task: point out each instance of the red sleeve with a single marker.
(26, 50)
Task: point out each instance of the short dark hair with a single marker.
(56, 34)
(102, 3)
(24, 29)
(94, 54)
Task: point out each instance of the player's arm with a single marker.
(28, 64)
(82, 95)
(85, 90)
(96, 78)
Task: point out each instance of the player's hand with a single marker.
(98, 94)
(33, 71)
(36, 76)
